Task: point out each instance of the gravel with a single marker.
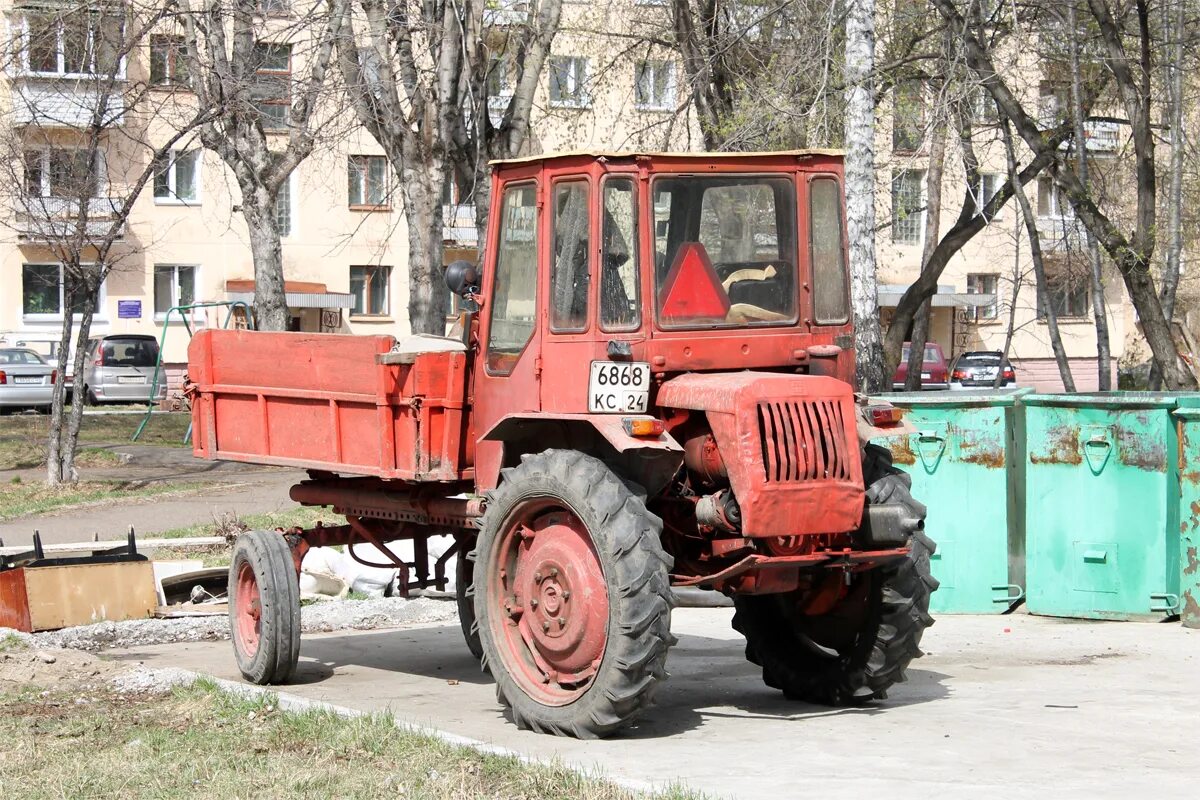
(322, 617)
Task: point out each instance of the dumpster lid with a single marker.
(967, 398)
(1117, 399)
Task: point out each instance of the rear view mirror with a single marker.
(461, 278)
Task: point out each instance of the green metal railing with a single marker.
(184, 312)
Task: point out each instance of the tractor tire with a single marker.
(464, 568)
(561, 524)
(264, 607)
(856, 651)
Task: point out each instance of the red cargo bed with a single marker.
(332, 402)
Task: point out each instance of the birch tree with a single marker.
(268, 121)
(73, 111)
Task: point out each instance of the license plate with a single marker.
(130, 379)
(618, 388)
(988, 374)
(926, 376)
(34, 379)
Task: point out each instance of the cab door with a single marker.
(594, 299)
(509, 367)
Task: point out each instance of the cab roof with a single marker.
(637, 154)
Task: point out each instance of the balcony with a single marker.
(501, 13)
(48, 219)
(65, 102)
(1061, 234)
(458, 223)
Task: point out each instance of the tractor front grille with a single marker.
(803, 440)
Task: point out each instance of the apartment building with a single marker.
(344, 243)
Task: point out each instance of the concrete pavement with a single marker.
(1004, 707)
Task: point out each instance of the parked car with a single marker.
(934, 371)
(978, 370)
(26, 380)
(44, 344)
(120, 368)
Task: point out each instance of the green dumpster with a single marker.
(1188, 427)
(966, 466)
(1102, 505)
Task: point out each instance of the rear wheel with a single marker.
(463, 576)
(854, 651)
(264, 607)
(572, 596)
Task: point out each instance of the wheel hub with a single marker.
(557, 606)
(248, 618)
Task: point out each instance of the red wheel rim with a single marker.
(247, 626)
(551, 602)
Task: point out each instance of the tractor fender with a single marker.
(651, 462)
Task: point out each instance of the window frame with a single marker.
(24, 45)
(842, 241)
(173, 198)
(100, 315)
(293, 217)
(901, 144)
(668, 103)
(921, 210)
(160, 316)
(581, 96)
(100, 167)
(1053, 278)
(286, 101)
(976, 314)
(635, 247)
(176, 46)
(364, 183)
(589, 253)
(370, 270)
(535, 185)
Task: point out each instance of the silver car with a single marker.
(120, 369)
(26, 380)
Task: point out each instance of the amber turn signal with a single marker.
(884, 415)
(643, 426)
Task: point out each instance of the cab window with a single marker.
(514, 286)
(620, 298)
(725, 251)
(569, 278)
(831, 303)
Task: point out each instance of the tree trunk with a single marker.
(933, 213)
(427, 295)
(270, 299)
(1103, 348)
(1017, 278)
(860, 192)
(54, 471)
(64, 425)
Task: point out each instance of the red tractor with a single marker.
(651, 389)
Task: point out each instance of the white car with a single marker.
(26, 380)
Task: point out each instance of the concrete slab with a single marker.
(1014, 706)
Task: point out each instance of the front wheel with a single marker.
(264, 607)
(572, 596)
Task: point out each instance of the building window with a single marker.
(908, 206)
(984, 284)
(369, 288)
(568, 81)
(274, 8)
(368, 182)
(72, 42)
(1068, 290)
(272, 86)
(1052, 200)
(908, 117)
(168, 61)
(174, 285)
(655, 85)
(44, 295)
(983, 107)
(284, 206)
(62, 172)
(985, 189)
(176, 178)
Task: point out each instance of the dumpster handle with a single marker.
(932, 461)
(1171, 600)
(1096, 463)
(1017, 594)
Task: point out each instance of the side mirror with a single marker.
(461, 278)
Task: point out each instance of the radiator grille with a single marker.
(803, 441)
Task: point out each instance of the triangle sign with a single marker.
(692, 290)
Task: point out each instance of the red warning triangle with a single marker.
(692, 290)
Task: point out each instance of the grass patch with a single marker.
(203, 742)
(10, 641)
(20, 499)
(25, 453)
(26, 433)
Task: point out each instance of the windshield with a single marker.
(20, 357)
(931, 354)
(725, 251)
(130, 352)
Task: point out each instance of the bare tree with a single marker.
(74, 107)
(267, 121)
(1131, 77)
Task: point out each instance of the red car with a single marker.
(935, 372)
